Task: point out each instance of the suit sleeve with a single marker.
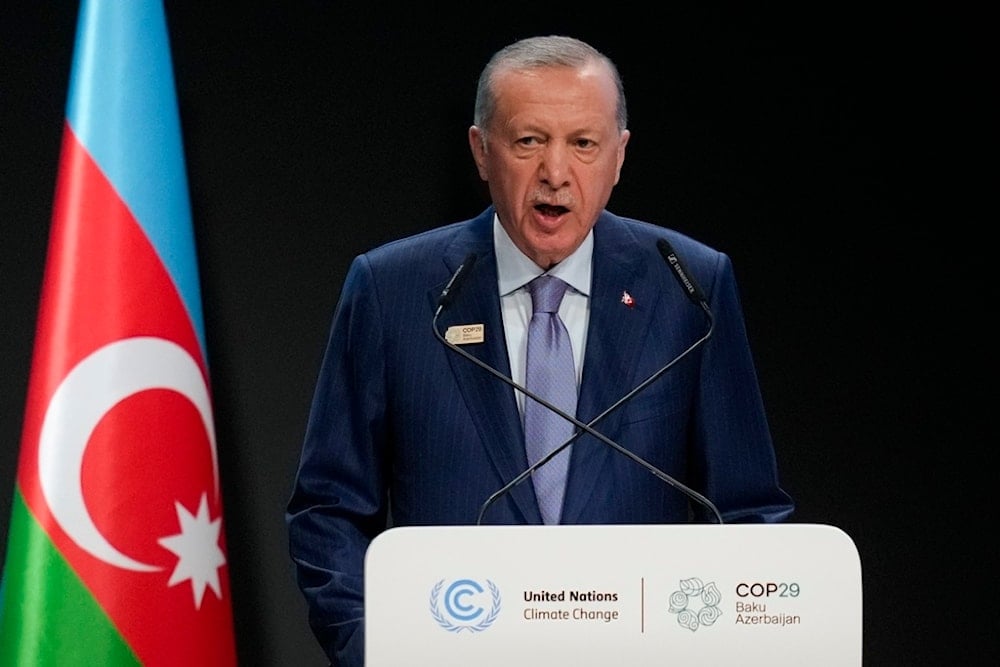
(338, 504)
(736, 453)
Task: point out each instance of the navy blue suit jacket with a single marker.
(400, 423)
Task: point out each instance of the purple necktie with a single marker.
(550, 375)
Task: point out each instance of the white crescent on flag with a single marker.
(92, 388)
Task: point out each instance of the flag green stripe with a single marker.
(47, 616)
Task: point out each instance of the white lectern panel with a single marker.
(782, 594)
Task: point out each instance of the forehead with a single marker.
(544, 94)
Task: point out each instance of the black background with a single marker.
(837, 153)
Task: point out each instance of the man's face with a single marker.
(551, 155)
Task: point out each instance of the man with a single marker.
(403, 424)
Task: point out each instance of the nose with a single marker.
(553, 168)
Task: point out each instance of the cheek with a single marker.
(513, 175)
(601, 180)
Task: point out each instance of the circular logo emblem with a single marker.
(695, 603)
(465, 605)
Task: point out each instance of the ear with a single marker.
(477, 142)
(622, 141)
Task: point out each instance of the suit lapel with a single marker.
(490, 402)
(615, 337)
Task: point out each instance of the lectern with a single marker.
(623, 595)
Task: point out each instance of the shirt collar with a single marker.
(515, 270)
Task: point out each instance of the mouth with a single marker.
(551, 211)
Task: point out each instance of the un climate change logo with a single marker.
(462, 604)
(682, 603)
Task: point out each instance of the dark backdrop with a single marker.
(830, 151)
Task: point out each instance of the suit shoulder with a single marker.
(457, 237)
(424, 241)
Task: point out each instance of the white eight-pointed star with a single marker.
(197, 549)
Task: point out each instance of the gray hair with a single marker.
(539, 52)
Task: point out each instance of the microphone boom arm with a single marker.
(693, 292)
(585, 427)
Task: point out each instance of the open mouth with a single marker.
(551, 211)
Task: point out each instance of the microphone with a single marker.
(447, 296)
(690, 286)
(457, 278)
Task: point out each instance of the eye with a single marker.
(528, 141)
(585, 143)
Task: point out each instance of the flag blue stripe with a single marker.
(122, 106)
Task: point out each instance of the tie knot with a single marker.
(546, 293)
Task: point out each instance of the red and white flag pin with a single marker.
(628, 300)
